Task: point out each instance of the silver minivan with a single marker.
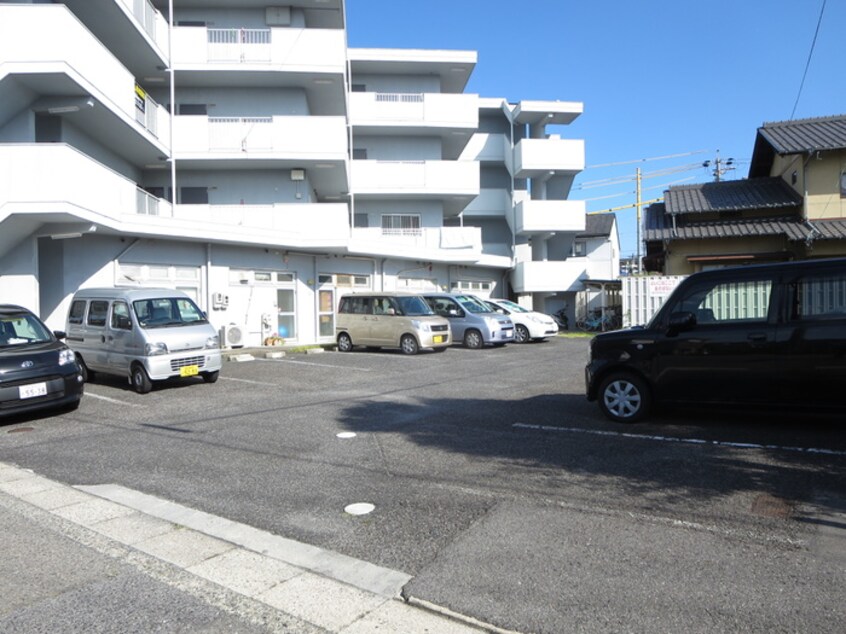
(144, 334)
(471, 321)
(390, 320)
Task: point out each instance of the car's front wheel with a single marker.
(211, 377)
(473, 339)
(408, 344)
(140, 379)
(521, 334)
(624, 397)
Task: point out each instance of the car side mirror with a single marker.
(679, 322)
(60, 334)
(453, 312)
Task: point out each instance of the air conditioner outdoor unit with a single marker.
(233, 336)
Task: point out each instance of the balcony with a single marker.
(549, 216)
(212, 138)
(133, 30)
(287, 49)
(549, 276)
(53, 183)
(534, 158)
(414, 110)
(455, 183)
(441, 244)
(68, 72)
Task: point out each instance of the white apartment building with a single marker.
(241, 152)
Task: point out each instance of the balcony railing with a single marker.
(241, 133)
(239, 45)
(286, 136)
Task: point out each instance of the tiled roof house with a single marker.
(792, 205)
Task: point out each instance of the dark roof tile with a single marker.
(806, 135)
(755, 193)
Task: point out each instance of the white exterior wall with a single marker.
(89, 187)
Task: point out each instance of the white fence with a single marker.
(643, 295)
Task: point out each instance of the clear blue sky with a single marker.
(657, 77)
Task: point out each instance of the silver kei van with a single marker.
(144, 334)
(390, 320)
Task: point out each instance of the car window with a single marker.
(160, 312)
(22, 329)
(414, 306)
(714, 303)
(97, 312)
(819, 296)
(442, 305)
(472, 304)
(77, 311)
(120, 316)
(514, 308)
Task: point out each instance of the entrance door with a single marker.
(326, 313)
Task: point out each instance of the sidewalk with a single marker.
(109, 559)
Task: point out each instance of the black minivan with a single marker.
(769, 335)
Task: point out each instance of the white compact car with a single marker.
(528, 324)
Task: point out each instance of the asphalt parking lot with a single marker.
(496, 486)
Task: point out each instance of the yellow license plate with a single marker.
(189, 370)
(438, 339)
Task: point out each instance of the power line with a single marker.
(643, 160)
(808, 63)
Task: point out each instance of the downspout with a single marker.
(172, 105)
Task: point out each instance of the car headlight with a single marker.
(66, 356)
(213, 342)
(421, 325)
(535, 319)
(155, 349)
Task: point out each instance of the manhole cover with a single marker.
(768, 505)
(20, 430)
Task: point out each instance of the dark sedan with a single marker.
(37, 370)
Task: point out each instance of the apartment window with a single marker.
(360, 154)
(358, 88)
(193, 108)
(360, 221)
(401, 225)
(194, 195)
(470, 286)
(579, 248)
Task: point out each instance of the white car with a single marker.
(528, 324)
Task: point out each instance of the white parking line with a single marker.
(320, 365)
(231, 378)
(108, 399)
(690, 441)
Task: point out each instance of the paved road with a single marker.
(497, 488)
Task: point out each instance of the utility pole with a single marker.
(638, 205)
(719, 168)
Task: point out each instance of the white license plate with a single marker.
(32, 390)
(508, 332)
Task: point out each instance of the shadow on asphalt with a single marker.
(699, 454)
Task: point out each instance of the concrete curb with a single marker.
(325, 589)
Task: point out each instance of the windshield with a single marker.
(472, 304)
(414, 306)
(22, 329)
(509, 305)
(159, 312)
